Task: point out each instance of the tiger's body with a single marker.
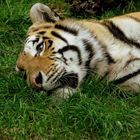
(59, 53)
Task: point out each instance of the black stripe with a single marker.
(50, 44)
(49, 69)
(41, 32)
(34, 41)
(109, 58)
(59, 36)
(52, 75)
(45, 37)
(54, 71)
(127, 77)
(59, 74)
(118, 33)
(66, 29)
(60, 59)
(89, 49)
(73, 48)
(45, 27)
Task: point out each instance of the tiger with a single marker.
(59, 53)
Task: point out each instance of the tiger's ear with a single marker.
(42, 13)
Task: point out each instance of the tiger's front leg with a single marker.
(128, 76)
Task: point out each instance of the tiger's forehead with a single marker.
(39, 28)
(67, 26)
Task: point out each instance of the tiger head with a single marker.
(50, 57)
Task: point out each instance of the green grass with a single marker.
(99, 111)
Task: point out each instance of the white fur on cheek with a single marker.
(29, 48)
(71, 57)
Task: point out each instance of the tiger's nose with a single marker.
(38, 81)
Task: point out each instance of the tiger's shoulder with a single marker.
(133, 15)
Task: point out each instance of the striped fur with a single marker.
(59, 53)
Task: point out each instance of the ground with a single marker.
(99, 111)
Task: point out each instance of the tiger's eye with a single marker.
(39, 47)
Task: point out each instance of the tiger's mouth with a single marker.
(66, 80)
(35, 82)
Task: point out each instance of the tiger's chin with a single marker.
(64, 87)
(62, 93)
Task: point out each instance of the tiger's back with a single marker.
(59, 53)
